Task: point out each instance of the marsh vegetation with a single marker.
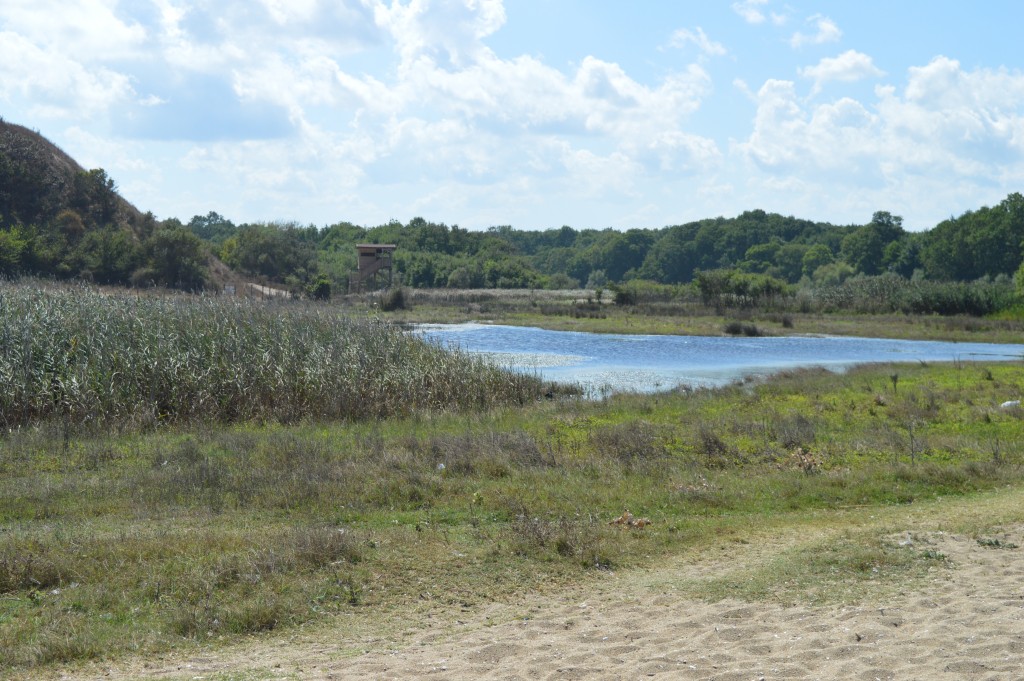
(85, 358)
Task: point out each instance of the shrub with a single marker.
(320, 289)
(394, 299)
(630, 443)
(736, 328)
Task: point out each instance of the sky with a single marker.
(529, 113)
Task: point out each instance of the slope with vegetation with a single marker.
(60, 220)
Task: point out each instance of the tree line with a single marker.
(89, 235)
(59, 221)
(986, 243)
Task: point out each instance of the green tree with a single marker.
(176, 258)
(985, 242)
(863, 250)
(13, 246)
(888, 226)
(760, 257)
(833, 274)
(212, 227)
(271, 250)
(789, 262)
(465, 276)
(95, 197)
(816, 256)
(108, 255)
(320, 288)
(673, 258)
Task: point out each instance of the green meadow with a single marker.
(180, 472)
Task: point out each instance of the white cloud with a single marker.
(451, 28)
(82, 28)
(62, 56)
(744, 88)
(750, 10)
(683, 37)
(848, 67)
(974, 120)
(595, 175)
(60, 86)
(276, 81)
(287, 11)
(452, 113)
(678, 152)
(949, 131)
(826, 31)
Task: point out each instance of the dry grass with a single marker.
(82, 358)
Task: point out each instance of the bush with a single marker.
(892, 293)
(394, 299)
(735, 328)
(320, 289)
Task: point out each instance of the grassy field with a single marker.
(150, 536)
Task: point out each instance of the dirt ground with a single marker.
(965, 621)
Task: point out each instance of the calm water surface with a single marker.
(604, 363)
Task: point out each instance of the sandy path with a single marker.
(965, 622)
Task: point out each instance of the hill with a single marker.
(60, 220)
(38, 182)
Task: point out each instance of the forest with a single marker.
(979, 244)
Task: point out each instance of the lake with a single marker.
(606, 363)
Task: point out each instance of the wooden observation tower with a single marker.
(373, 268)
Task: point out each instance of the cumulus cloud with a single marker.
(450, 109)
(63, 56)
(60, 86)
(445, 71)
(826, 31)
(946, 122)
(85, 27)
(683, 37)
(750, 10)
(443, 28)
(848, 67)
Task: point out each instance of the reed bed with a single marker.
(81, 356)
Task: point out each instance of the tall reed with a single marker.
(77, 355)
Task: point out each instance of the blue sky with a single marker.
(534, 114)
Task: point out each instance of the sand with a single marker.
(964, 621)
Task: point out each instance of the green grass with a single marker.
(833, 569)
(148, 540)
(182, 472)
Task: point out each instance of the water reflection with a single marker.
(604, 363)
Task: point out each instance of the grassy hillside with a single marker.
(39, 182)
(59, 220)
